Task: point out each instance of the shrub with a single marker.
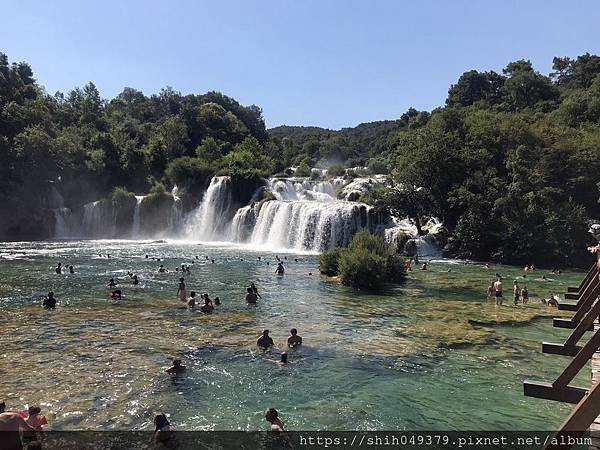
(120, 195)
(336, 170)
(302, 171)
(315, 175)
(329, 261)
(367, 263)
(378, 166)
(189, 173)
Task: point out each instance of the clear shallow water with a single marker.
(431, 354)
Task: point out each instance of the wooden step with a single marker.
(567, 307)
(559, 322)
(539, 389)
(559, 349)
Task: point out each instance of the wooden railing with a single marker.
(587, 311)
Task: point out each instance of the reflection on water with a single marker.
(433, 353)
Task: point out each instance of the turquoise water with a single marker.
(433, 353)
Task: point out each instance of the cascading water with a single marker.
(305, 216)
(135, 226)
(305, 225)
(207, 222)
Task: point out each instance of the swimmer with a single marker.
(265, 341)
(58, 268)
(196, 256)
(490, 290)
(162, 269)
(35, 419)
(207, 307)
(181, 290)
(71, 270)
(255, 290)
(192, 300)
(217, 301)
(50, 301)
(136, 280)
(212, 261)
(283, 361)
(516, 292)
(272, 416)
(424, 266)
(251, 297)
(146, 256)
(177, 367)
(116, 295)
(280, 269)
(206, 299)
(162, 428)
(11, 424)
(111, 283)
(294, 340)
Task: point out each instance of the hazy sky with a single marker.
(325, 63)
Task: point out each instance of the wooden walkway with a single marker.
(595, 427)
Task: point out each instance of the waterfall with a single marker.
(135, 227)
(304, 225)
(287, 189)
(61, 219)
(207, 222)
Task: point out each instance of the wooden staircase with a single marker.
(587, 401)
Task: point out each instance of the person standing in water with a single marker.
(294, 340)
(490, 290)
(192, 300)
(181, 290)
(498, 291)
(251, 297)
(525, 294)
(272, 416)
(58, 268)
(280, 269)
(255, 290)
(50, 301)
(136, 280)
(516, 292)
(265, 341)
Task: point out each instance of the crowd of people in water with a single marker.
(33, 420)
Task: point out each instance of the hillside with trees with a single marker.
(510, 163)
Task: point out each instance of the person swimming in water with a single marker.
(207, 299)
(282, 361)
(217, 301)
(265, 341)
(58, 268)
(50, 301)
(35, 418)
(162, 429)
(181, 290)
(280, 269)
(207, 307)
(177, 367)
(272, 416)
(192, 300)
(294, 340)
(162, 269)
(255, 290)
(136, 280)
(116, 295)
(111, 283)
(251, 297)
(71, 270)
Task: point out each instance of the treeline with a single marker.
(83, 147)
(511, 164)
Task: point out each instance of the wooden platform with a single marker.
(595, 427)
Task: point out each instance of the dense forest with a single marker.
(510, 163)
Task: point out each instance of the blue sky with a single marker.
(326, 63)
